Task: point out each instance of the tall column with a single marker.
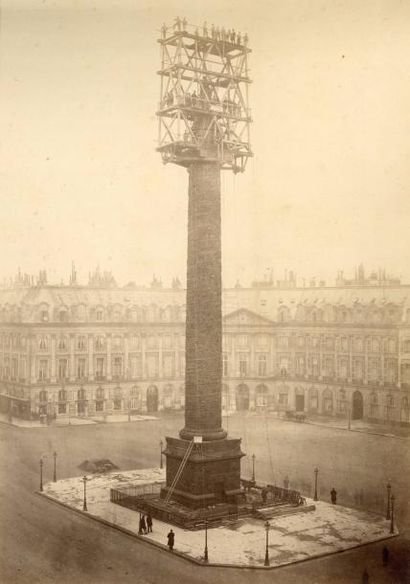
(203, 368)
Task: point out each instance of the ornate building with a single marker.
(92, 351)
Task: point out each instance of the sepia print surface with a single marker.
(204, 291)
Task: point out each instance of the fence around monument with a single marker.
(129, 493)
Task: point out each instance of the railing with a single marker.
(132, 492)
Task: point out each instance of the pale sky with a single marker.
(80, 179)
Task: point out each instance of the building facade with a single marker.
(93, 351)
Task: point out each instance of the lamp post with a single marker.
(41, 473)
(161, 444)
(55, 467)
(316, 471)
(206, 541)
(388, 487)
(266, 563)
(392, 514)
(85, 493)
(253, 467)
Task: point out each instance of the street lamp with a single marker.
(267, 526)
(388, 487)
(85, 493)
(316, 471)
(253, 467)
(41, 473)
(392, 514)
(161, 444)
(206, 541)
(55, 467)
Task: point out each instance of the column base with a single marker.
(211, 474)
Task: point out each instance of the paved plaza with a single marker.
(293, 538)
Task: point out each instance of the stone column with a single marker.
(203, 368)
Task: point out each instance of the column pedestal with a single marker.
(211, 475)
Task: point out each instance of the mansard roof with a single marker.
(349, 304)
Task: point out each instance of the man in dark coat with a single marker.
(333, 496)
(149, 523)
(171, 540)
(142, 527)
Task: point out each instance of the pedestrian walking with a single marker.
(143, 525)
(333, 496)
(385, 553)
(171, 540)
(365, 576)
(149, 523)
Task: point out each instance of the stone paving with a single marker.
(328, 529)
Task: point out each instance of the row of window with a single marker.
(151, 313)
(329, 343)
(314, 366)
(135, 367)
(370, 314)
(100, 342)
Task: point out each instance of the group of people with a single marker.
(145, 525)
(214, 32)
(220, 34)
(193, 100)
